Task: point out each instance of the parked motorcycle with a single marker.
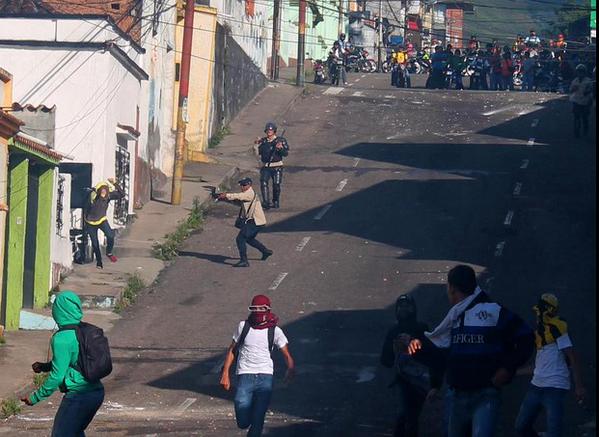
(319, 72)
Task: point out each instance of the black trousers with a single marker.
(581, 118)
(274, 174)
(92, 231)
(247, 235)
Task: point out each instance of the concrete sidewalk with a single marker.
(100, 290)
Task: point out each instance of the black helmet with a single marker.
(270, 125)
(406, 301)
(342, 36)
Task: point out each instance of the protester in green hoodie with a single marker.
(82, 399)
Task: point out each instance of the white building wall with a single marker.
(157, 104)
(252, 33)
(91, 89)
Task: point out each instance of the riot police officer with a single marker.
(271, 149)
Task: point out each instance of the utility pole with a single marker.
(341, 25)
(301, 44)
(380, 50)
(180, 149)
(276, 40)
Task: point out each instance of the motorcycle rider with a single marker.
(533, 40)
(344, 47)
(337, 64)
(271, 149)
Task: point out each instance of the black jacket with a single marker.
(429, 355)
(268, 152)
(487, 337)
(97, 208)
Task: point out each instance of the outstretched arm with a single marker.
(225, 380)
(290, 363)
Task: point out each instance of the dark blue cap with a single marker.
(245, 181)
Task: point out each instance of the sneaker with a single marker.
(266, 254)
(99, 266)
(242, 263)
(265, 205)
(112, 258)
(275, 204)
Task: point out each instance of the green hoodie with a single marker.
(66, 310)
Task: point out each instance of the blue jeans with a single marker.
(76, 412)
(528, 82)
(474, 413)
(251, 402)
(536, 399)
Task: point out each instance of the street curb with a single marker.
(108, 303)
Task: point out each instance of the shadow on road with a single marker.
(338, 385)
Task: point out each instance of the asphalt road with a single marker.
(384, 191)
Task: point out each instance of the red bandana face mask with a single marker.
(260, 316)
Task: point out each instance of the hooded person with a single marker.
(253, 343)
(417, 377)
(551, 377)
(82, 398)
(96, 219)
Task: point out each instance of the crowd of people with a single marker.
(529, 64)
(477, 349)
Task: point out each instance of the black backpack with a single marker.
(94, 361)
(244, 333)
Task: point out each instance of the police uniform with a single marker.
(272, 167)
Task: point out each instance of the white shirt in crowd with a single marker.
(581, 91)
(254, 356)
(551, 368)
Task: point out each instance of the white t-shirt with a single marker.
(254, 356)
(551, 369)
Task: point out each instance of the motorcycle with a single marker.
(414, 67)
(319, 72)
(387, 65)
(336, 66)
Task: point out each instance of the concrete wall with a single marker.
(250, 24)
(155, 158)
(237, 79)
(91, 89)
(319, 38)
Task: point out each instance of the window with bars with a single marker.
(60, 205)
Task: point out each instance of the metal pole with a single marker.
(341, 25)
(380, 49)
(180, 149)
(276, 41)
(301, 44)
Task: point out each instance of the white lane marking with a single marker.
(332, 91)
(322, 212)
(498, 111)
(518, 189)
(366, 374)
(151, 435)
(278, 281)
(531, 142)
(357, 80)
(389, 97)
(508, 218)
(358, 94)
(341, 185)
(185, 405)
(535, 123)
(363, 76)
(525, 163)
(303, 244)
(356, 162)
(499, 249)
